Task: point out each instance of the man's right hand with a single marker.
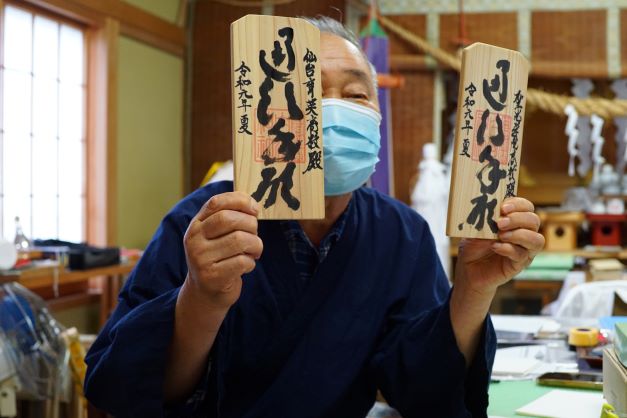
(221, 244)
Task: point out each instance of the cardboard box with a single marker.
(614, 382)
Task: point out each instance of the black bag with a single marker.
(83, 256)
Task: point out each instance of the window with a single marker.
(42, 126)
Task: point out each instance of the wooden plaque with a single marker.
(488, 138)
(277, 115)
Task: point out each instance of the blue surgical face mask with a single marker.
(351, 139)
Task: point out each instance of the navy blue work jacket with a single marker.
(375, 315)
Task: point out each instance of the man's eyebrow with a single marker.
(361, 75)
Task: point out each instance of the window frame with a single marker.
(100, 47)
(101, 37)
(61, 20)
(104, 22)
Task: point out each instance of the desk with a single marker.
(56, 276)
(507, 397)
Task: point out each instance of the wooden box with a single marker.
(606, 228)
(604, 269)
(560, 229)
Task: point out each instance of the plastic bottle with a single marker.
(21, 242)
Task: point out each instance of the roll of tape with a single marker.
(583, 337)
(8, 254)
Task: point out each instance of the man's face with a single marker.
(345, 73)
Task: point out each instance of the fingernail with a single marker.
(506, 235)
(507, 208)
(503, 222)
(254, 205)
(497, 246)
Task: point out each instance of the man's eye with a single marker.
(359, 96)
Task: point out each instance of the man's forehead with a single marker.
(333, 47)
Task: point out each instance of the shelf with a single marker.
(49, 276)
(580, 252)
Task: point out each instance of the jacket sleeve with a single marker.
(417, 365)
(126, 363)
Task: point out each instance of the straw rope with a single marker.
(548, 102)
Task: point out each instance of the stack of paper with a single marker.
(565, 404)
(524, 324)
(514, 367)
(548, 267)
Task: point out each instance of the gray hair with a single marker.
(329, 25)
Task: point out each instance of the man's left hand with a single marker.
(484, 265)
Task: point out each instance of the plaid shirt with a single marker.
(305, 254)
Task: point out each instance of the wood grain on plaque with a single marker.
(277, 115)
(488, 138)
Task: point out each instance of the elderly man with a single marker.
(226, 316)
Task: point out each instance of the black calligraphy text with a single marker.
(244, 97)
(313, 135)
(288, 146)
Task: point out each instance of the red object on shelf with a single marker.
(606, 229)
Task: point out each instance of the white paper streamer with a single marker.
(582, 87)
(619, 87)
(572, 132)
(597, 145)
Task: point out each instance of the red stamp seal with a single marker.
(496, 132)
(263, 141)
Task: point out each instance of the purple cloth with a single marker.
(377, 50)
